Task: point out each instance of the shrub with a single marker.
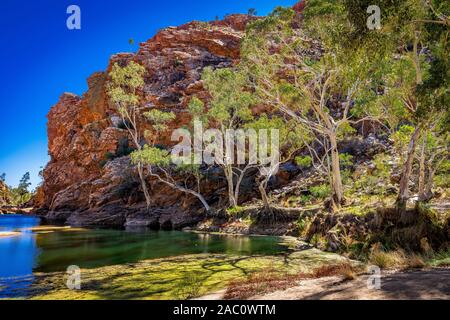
(270, 280)
(303, 225)
(346, 160)
(321, 191)
(376, 181)
(262, 282)
(305, 198)
(303, 161)
(319, 241)
(302, 199)
(402, 136)
(441, 259)
(235, 210)
(346, 177)
(344, 269)
(394, 259)
(384, 259)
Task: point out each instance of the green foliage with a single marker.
(303, 224)
(440, 259)
(345, 130)
(151, 156)
(346, 175)
(123, 86)
(196, 109)
(401, 138)
(279, 18)
(20, 195)
(190, 286)
(326, 19)
(377, 180)
(159, 119)
(24, 184)
(403, 135)
(301, 200)
(442, 179)
(230, 102)
(319, 241)
(233, 211)
(322, 8)
(346, 160)
(291, 135)
(303, 161)
(320, 191)
(3, 177)
(156, 116)
(156, 157)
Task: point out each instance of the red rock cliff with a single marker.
(82, 182)
(82, 131)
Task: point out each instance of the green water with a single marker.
(29, 253)
(95, 248)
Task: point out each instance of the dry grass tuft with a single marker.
(395, 259)
(260, 283)
(269, 280)
(344, 269)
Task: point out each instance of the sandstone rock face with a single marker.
(4, 199)
(87, 180)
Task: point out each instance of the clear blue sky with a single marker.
(40, 58)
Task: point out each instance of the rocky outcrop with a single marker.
(89, 179)
(4, 194)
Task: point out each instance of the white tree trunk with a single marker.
(143, 184)
(264, 197)
(185, 190)
(421, 187)
(337, 189)
(228, 170)
(403, 193)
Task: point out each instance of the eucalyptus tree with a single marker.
(159, 162)
(414, 33)
(290, 138)
(433, 156)
(216, 126)
(228, 109)
(123, 86)
(309, 76)
(175, 175)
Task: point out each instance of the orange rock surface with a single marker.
(83, 130)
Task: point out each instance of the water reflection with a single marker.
(55, 250)
(17, 254)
